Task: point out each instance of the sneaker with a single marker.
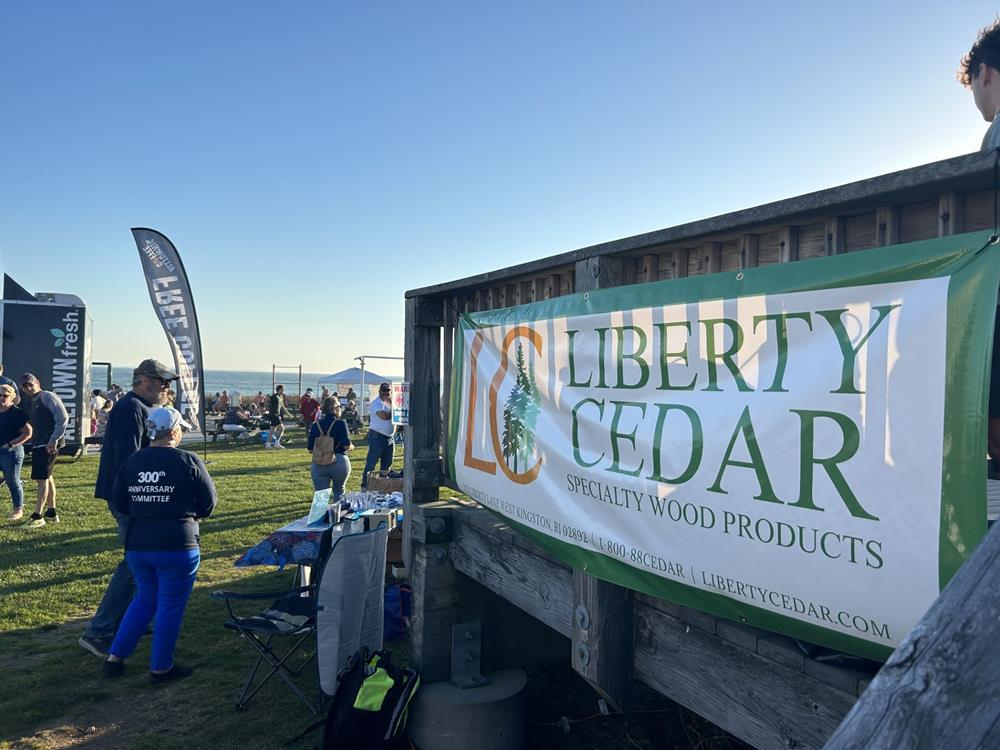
(16, 515)
(51, 516)
(113, 668)
(96, 645)
(176, 672)
(279, 445)
(36, 521)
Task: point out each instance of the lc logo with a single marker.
(515, 447)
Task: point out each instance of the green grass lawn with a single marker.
(51, 580)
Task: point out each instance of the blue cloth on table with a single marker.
(296, 543)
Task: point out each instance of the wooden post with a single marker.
(887, 226)
(788, 244)
(527, 292)
(949, 214)
(938, 688)
(448, 349)
(437, 589)
(713, 257)
(648, 268)
(749, 244)
(681, 262)
(836, 235)
(602, 611)
(422, 370)
(553, 286)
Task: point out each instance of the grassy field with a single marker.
(53, 696)
(52, 578)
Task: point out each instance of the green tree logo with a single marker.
(520, 415)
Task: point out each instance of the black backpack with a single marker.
(370, 707)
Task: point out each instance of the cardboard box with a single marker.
(394, 546)
(379, 481)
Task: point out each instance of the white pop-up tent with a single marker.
(353, 375)
(364, 380)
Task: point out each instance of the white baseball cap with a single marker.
(164, 418)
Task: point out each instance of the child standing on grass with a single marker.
(163, 492)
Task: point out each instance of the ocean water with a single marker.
(244, 381)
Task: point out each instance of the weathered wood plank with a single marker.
(681, 262)
(748, 245)
(763, 703)
(648, 268)
(887, 226)
(629, 270)
(950, 213)
(859, 232)
(836, 235)
(598, 273)
(541, 588)
(769, 248)
(730, 256)
(918, 221)
(788, 244)
(812, 240)
(938, 688)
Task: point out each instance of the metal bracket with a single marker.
(466, 655)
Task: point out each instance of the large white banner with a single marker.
(774, 457)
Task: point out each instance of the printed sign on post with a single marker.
(401, 403)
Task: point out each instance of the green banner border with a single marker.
(972, 297)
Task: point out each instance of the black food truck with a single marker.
(49, 334)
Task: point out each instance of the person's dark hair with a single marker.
(985, 50)
(329, 404)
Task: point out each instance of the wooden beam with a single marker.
(950, 213)
(939, 688)
(836, 235)
(567, 285)
(763, 703)
(887, 226)
(748, 246)
(788, 244)
(422, 365)
(501, 566)
(629, 270)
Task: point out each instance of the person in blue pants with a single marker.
(380, 433)
(162, 492)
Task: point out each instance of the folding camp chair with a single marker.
(338, 606)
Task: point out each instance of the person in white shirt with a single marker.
(380, 432)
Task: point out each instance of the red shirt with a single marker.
(308, 406)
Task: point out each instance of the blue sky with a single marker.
(312, 161)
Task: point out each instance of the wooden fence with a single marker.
(468, 565)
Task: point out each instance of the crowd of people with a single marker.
(156, 493)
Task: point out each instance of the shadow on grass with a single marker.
(53, 694)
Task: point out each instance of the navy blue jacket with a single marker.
(163, 491)
(124, 435)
